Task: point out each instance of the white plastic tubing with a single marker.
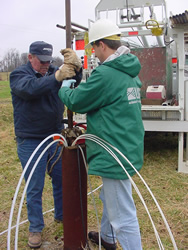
(104, 144)
(62, 139)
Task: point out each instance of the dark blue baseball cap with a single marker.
(42, 50)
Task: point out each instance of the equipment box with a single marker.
(156, 92)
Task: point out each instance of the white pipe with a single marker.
(95, 189)
(136, 189)
(164, 219)
(24, 221)
(31, 173)
(20, 181)
(98, 141)
(115, 157)
(160, 210)
(27, 183)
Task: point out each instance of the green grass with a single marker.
(4, 76)
(159, 171)
(4, 90)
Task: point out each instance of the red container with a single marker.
(156, 92)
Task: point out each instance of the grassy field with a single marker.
(159, 171)
(4, 76)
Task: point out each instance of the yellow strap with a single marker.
(113, 37)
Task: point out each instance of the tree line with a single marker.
(13, 59)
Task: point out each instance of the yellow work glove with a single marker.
(66, 71)
(70, 57)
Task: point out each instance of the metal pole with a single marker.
(68, 23)
(74, 199)
(64, 27)
(79, 26)
(68, 45)
(74, 180)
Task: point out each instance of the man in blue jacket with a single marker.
(38, 113)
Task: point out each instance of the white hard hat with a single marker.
(103, 28)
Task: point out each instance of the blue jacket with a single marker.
(38, 111)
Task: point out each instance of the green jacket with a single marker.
(111, 99)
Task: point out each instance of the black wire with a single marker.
(48, 162)
(165, 42)
(81, 202)
(52, 166)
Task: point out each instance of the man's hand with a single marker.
(70, 57)
(66, 71)
(67, 83)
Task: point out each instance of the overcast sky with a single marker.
(25, 21)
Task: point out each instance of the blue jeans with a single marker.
(25, 147)
(119, 218)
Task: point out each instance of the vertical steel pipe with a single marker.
(74, 180)
(68, 45)
(68, 23)
(74, 199)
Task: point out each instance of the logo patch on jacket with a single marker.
(133, 95)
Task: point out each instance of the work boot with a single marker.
(35, 240)
(94, 237)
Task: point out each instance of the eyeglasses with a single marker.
(92, 43)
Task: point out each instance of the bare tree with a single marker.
(24, 58)
(1, 66)
(11, 60)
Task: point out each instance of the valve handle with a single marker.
(153, 25)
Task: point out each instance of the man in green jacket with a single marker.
(111, 99)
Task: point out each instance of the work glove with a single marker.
(66, 71)
(67, 83)
(70, 57)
